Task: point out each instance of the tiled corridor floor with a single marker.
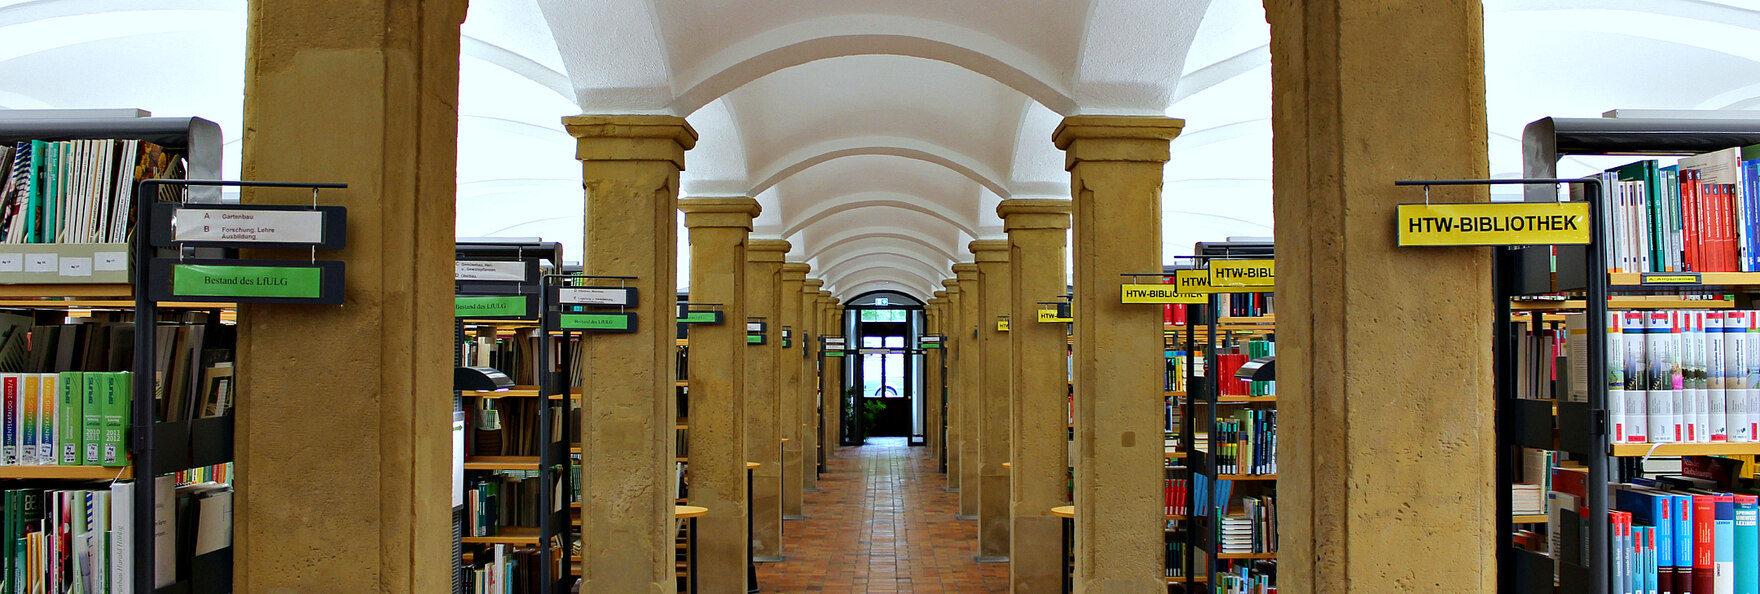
(882, 522)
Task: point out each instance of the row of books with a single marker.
(1254, 530)
(1676, 375)
(1205, 491)
(79, 540)
(1248, 577)
(1176, 559)
(505, 569)
(499, 499)
(1247, 442)
(1246, 305)
(1685, 541)
(1174, 371)
(1230, 359)
(76, 191)
(65, 419)
(509, 426)
(1175, 496)
(1697, 215)
(193, 357)
(516, 355)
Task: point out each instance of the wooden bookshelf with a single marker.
(1246, 555)
(1246, 477)
(518, 392)
(96, 473)
(1626, 302)
(1174, 394)
(1633, 450)
(1175, 517)
(501, 463)
(514, 535)
(1245, 399)
(1530, 519)
(1706, 279)
(59, 291)
(1172, 455)
(1196, 579)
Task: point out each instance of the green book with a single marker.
(69, 423)
(37, 187)
(116, 417)
(91, 418)
(9, 534)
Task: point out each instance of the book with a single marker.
(1724, 526)
(70, 419)
(92, 419)
(1704, 543)
(50, 395)
(115, 389)
(1746, 553)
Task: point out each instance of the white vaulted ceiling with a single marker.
(879, 136)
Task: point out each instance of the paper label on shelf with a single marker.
(11, 262)
(1243, 273)
(42, 263)
(247, 281)
(489, 307)
(1671, 278)
(482, 270)
(75, 267)
(618, 296)
(1154, 294)
(246, 225)
(110, 261)
(1518, 223)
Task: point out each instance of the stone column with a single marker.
(1363, 435)
(971, 393)
(389, 347)
(793, 275)
(932, 360)
(718, 229)
(812, 308)
(994, 387)
(830, 401)
(1040, 447)
(956, 347)
(1115, 167)
(764, 259)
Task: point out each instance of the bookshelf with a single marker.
(1233, 530)
(1581, 419)
(515, 460)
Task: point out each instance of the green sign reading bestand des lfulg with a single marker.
(490, 306)
(597, 322)
(275, 282)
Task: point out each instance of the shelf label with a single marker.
(597, 322)
(42, 263)
(110, 261)
(277, 282)
(490, 307)
(1051, 316)
(612, 296)
(1261, 274)
(11, 262)
(78, 267)
(1670, 278)
(248, 225)
(1517, 223)
(483, 270)
(1156, 294)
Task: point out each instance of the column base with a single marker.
(794, 517)
(776, 559)
(964, 517)
(953, 489)
(811, 490)
(982, 559)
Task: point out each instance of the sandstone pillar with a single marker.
(994, 387)
(400, 120)
(932, 360)
(830, 401)
(1040, 450)
(951, 383)
(793, 275)
(1362, 434)
(764, 258)
(1115, 167)
(971, 393)
(812, 308)
(718, 229)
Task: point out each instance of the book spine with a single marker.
(92, 419)
(1725, 527)
(30, 411)
(1684, 539)
(69, 424)
(51, 395)
(1746, 556)
(9, 390)
(1664, 420)
(1637, 383)
(116, 418)
(1704, 544)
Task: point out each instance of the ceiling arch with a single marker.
(908, 148)
(869, 34)
(893, 277)
(866, 286)
(826, 208)
(856, 235)
(877, 260)
(858, 247)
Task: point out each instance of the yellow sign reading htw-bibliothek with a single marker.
(1522, 223)
(1158, 294)
(1198, 282)
(1260, 274)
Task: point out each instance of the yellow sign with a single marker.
(1158, 294)
(1050, 316)
(1198, 282)
(1520, 223)
(1243, 273)
(1002, 324)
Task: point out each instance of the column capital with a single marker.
(812, 285)
(966, 271)
(942, 295)
(826, 295)
(719, 212)
(989, 250)
(1115, 138)
(952, 285)
(631, 137)
(1034, 213)
(767, 250)
(795, 271)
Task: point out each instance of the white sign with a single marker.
(256, 226)
(593, 296)
(754, 326)
(42, 263)
(110, 261)
(76, 267)
(478, 270)
(11, 262)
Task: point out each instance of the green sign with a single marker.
(930, 345)
(489, 307)
(754, 339)
(605, 322)
(701, 317)
(834, 353)
(208, 280)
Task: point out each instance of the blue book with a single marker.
(1747, 553)
(1652, 508)
(1683, 546)
(1726, 538)
(1651, 569)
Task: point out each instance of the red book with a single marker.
(1719, 226)
(1704, 543)
(1690, 235)
(1728, 219)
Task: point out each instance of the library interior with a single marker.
(982, 254)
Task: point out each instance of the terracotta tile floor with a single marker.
(882, 522)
